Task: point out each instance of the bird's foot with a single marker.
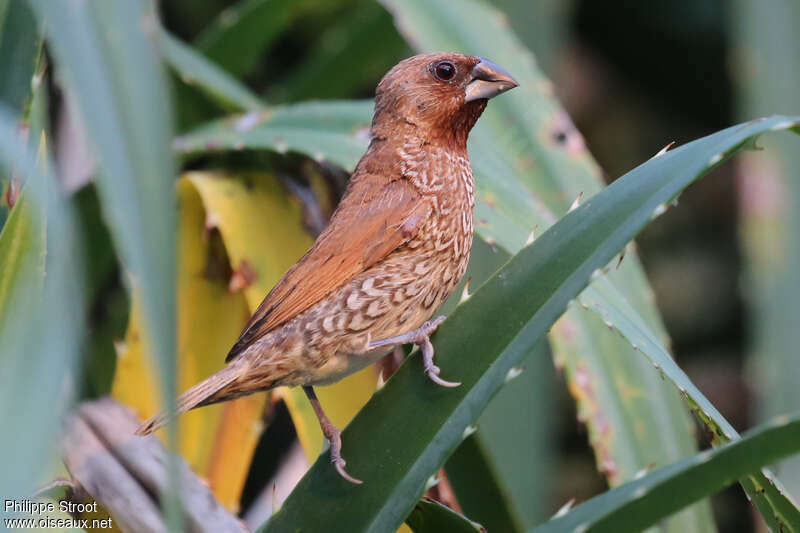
(421, 337)
(431, 370)
(333, 434)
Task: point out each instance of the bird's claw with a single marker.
(434, 376)
(431, 369)
(334, 437)
(332, 433)
(339, 464)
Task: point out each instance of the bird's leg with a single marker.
(332, 433)
(420, 337)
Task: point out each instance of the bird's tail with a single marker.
(211, 390)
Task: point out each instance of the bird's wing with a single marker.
(373, 218)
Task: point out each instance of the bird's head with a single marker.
(441, 95)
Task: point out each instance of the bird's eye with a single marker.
(444, 70)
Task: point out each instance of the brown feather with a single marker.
(374, 218)
(211, 390)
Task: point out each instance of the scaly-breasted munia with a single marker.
(395, 248)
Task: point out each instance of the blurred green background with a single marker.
(634, 77)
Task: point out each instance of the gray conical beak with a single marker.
(488, 80)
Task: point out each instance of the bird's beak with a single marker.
(488, 80)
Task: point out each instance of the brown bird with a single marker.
(396, 246)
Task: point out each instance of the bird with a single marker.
(396, 246)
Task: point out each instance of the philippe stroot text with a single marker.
(29, 514)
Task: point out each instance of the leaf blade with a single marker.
(219, 439)
(111, 65)
(252, 207)
(332, 131)
(429, 516)
(40, 288)
(196, 70)
(530, 164)
(396, 450)
(638, 504)
(770, 498)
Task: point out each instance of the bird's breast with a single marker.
(446, 180)
(437, 257)
(403, 290)
(444, 175)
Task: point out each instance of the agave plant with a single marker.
(554, 273)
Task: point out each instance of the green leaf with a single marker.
(638, 504)
(22, 253)
(588, 346)
(242, 206)
(19, 48)
(216, 442)
(429, 516)
(40, 291)
(478, 487)
(543, 27)
(328, 131)
(112, 68)
(239, 35)
(601, 297)
(530, 164)
(518, 432)
(768, 71)
(355, 48)
(196, 70)
(390, 444)
(517, 192)
(496, 473)
(20, 44)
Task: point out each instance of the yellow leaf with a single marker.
(261, 226)
(216, 439)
